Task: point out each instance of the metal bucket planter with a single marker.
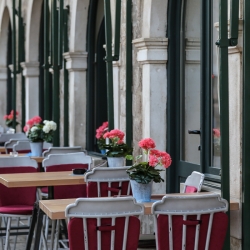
(141, 192)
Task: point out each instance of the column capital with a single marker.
(30, 69)
(3, 73)
(152, 50)
(76, 61)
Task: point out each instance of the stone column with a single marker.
(3, 94)
(31, 72)
(77, 65)
(152, 55)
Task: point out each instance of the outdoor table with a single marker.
(2, 150)
(55, 209)
(38, 179)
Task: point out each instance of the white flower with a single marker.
(46, 129)
(45, 121)
(53, 125)
(34, 128)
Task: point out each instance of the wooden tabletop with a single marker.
(2, 150)
(55, 209)
(38, 159)
(41, 179)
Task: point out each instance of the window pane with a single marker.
(215, 91)
(190, 83)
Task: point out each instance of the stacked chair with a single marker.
(16, 202)
(63, 150)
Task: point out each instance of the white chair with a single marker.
(24, 146)
(6, 137)
(193, 221)
(63, 150)
(106, 182)
(16, 202)
(104, 223)
(10, 144)
(65, 162)
(193, 182)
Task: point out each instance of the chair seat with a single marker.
(17, 209)
(44, 190)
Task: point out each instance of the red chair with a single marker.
(106, 182)
(104, 223)
(16, 202)
(65, 162)
(190, 222)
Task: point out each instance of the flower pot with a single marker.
(141, 192)
(36, 148)
(103, 151)
(114, 162)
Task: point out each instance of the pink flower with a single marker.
(10, 117)
(26, 128)
(12, 113)
(165, 159)
(5, 117)
(147, 143)
(115, 133)
(101, 130)
(216, 132)
(120, 142)
(37, 119)
(153, 160)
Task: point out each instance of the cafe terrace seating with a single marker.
(10, 144)
(16, 202)
(100, 223)
(190, 222)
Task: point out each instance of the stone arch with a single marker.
(154, 18)
(78, 25)
(4, 36)
(32, 29)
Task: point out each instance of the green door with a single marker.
(193, 94)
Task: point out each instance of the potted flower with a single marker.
(142, 174)
(38, 132)
(116, 149)
(216, 133)
(99, 136)
(9, 119)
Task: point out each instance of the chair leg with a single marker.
(7, 234)
(52, 234)
(18, 219)
(57, 233)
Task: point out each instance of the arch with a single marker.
(32, 31)
(78, 29)
(154, 18)
(4, 37)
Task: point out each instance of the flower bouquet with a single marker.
(116, 149)
(9, 119)
(142, 174)
(37, 131)
(99, 136)
(145, 171)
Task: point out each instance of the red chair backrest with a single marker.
(115, 188)
(76, 236)
(17, 196)
(68, 191)
(218, 232)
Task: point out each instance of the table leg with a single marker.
(50, 192)
(39, 228)
(32, 226)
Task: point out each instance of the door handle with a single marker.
(194, 132)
